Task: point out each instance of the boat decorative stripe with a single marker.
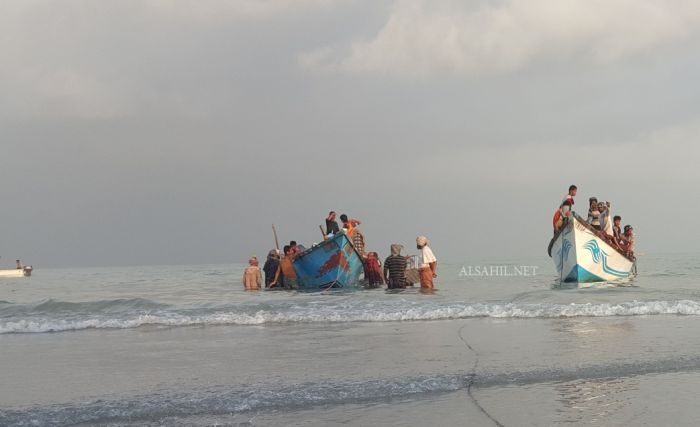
(599, 256)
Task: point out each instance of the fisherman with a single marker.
(373, 270)
(604, 218)
(286, 268)
(19, 265)
(427, 264)
(562, 215)
(358, 241)
(296, 248)
(593, 213)
(331, 225)
(617, 231)
(395, 268)
(628, 241)
(271, 264)
(569, 200)
(252, 277)
(349, 224)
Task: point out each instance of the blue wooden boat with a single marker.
(334, 263)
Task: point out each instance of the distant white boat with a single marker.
(25, 271)
(581, 256)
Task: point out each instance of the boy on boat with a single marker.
(349, 224)
(617, 230)
(593, 213)
(628, 241)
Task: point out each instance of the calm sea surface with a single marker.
(497, 345)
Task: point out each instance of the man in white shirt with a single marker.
(427, 264)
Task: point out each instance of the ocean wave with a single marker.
(57, 316)
(222, 400)
(52, 306)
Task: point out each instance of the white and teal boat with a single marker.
(581, 256)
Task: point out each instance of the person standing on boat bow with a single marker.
(563, 214)
(349, 224)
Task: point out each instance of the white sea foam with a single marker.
(32, 321)
(223, 400)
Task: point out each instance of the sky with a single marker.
(177, 132)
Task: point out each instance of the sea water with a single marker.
(498, 343)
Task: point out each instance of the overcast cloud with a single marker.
(158, 132)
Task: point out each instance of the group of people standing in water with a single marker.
(279, 270)
(393, 273)
(601, 223)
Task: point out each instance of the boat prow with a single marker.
(333, 263)
(25, 271)
(582, 256)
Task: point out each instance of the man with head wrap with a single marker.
(395, 268)
(427, 263)
(252, 277)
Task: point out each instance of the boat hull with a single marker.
(580, 256)
(334, 263)
(16, 272)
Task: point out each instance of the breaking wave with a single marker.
(221, 400)
(58, 316)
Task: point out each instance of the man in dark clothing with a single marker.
(270, 267)
(331, 224)
(395, 269)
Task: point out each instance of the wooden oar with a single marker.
(274, 233)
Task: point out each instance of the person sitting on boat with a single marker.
(606, 226)
(271, 264)
(563, 213)
(395, 268)
(331, 225)
(286, 268)
(617, 231)
(373, 270)
(252, 277)
(628, 241)
(604, 218)
(593, 213)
